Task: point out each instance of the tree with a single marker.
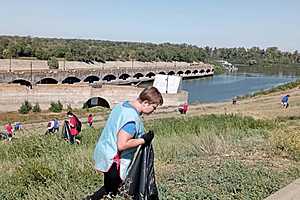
(53, 63)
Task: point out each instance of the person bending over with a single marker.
(122, 134)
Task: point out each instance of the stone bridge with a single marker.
(76, 95)
(115, 75)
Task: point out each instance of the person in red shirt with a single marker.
(9, 130)
(73, 122)
(183, 108)
(90, 120)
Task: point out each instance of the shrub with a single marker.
(56, 107)
(36, 108)
(53, 63)
(69, 107)
(25, 108)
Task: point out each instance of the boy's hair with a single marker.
(152, 95)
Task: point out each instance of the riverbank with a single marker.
(218, 150)
(260, 105)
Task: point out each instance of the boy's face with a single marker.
(148, 108)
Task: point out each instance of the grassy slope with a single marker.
(208, 157)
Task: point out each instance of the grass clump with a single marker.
(56, 107)
(25, 107)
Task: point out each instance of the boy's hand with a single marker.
(148, 137)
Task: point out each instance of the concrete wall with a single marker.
(13, 95)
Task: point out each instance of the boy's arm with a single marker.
(126, 141)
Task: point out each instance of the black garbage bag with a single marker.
(140, 182)
(66, 131)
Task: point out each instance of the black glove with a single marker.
(148, 137)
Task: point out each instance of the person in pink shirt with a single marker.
(183, 108)
(73, 123)
(90, 120)
(9, 130)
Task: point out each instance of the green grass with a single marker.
(208, 157)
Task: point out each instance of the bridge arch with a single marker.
(22, 82)
(188, 71)
(202, 71)
(195, 71)
(71, 80)
(208, 70)
(91, 79)
(138, 75)
(47, 81)
(150, 74)
(162, 73)
(171, 73)
(109, 77)
(96, 101)
(124, 76)
(180, 73)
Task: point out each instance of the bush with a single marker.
(69, 107)
(36, 108)
(53, 63)
(25, 108)
(56, 107)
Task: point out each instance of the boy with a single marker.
(122, 134)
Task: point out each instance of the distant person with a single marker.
(75, 127)
(18, 126)
(90, 120)
(50, 127)
(285, 101)
(56, 125)
(9, 131)
(183, 108)
(234, 100)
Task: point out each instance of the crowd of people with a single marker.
(73, 125)
(9, 131)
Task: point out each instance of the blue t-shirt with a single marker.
(130, 126)
(285, 99)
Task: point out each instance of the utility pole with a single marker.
(31, 75)
(64, 63)
(131, 63)
(10, 64)
(167, 85)
(31, 71)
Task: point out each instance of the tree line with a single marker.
(101, 51)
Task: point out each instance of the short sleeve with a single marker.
(129, 128)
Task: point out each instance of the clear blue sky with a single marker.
(216, 23)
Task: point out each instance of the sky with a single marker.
(214, 23)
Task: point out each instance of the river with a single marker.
(246, 80)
